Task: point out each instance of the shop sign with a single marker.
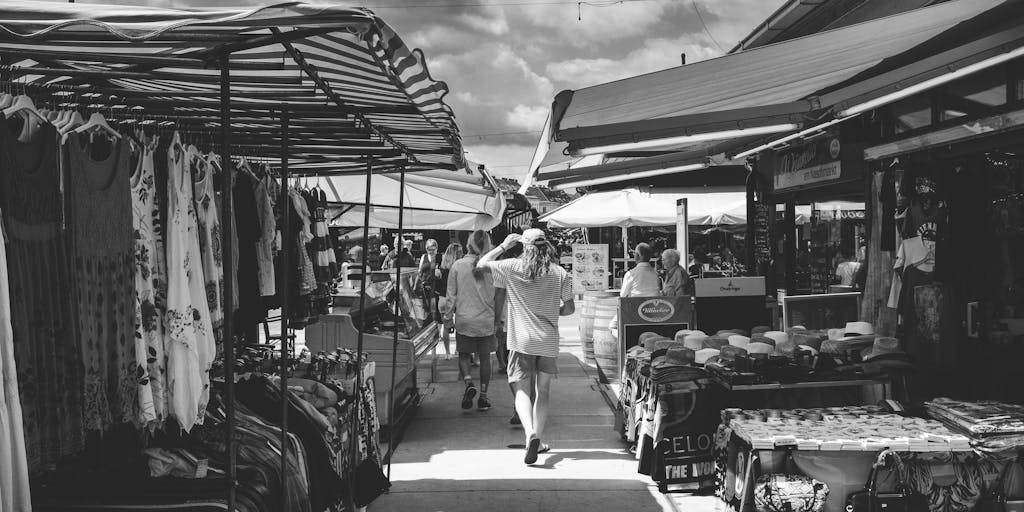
(730, 287)
(821, 161)
(656, 310)
(838, 214)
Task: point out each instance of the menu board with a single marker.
(589, 267)
(762, 232)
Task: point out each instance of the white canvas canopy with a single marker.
(632, 207)
(431, 202)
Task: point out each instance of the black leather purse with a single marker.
(903, 499)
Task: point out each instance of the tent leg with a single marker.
(227, 213)
(398, 314)
(286, 349)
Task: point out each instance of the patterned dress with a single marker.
(100, 216)
(149, 328)
(43, 309)
(209, 240)
(14, 484)
(190, 346)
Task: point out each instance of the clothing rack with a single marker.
(233, 104)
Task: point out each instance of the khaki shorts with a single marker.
(525, 367)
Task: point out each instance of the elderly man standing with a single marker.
(538, 291)
(676, 281)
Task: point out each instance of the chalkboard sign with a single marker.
(821, 311)
(762, 232)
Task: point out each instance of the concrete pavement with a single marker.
(452, 460)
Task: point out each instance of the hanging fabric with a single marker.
(43, 306)
(149, 318)
(14, 484)
(208, 217)
(100, 213)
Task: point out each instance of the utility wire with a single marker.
(705, 25)
(608, 3)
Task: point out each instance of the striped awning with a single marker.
(353, 91)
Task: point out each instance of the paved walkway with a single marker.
(452, 460)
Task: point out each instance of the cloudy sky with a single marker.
(504, 60)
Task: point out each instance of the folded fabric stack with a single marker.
(993, 427)
(842, 429)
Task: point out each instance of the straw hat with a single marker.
(809, 339)
(666, 344)
(681, 335)
(643, 337)
(697, 331)
(759, 348)
(731, 352)
(778, 336)
(761, 329)
(716, 342)
(694, 341)
(858, 329)
(738, 340)
(882, 346)
(702, 355)
(760, 338)
(785, 349)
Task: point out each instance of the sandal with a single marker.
(531, 451)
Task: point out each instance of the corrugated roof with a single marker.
(353, 89)
(776, 74)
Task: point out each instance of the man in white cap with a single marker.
(538, 291)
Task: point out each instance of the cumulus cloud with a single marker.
(598, 25)
(527, 118)
(494, 25)
(654, 55)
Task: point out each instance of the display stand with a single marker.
(637, 315)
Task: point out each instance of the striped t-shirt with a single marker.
(533, 306)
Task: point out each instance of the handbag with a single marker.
(997, 500)
(368, 482)
(789, 492)
(871, 500)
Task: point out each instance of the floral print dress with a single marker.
(190, 345)
(209, 239)
(149, 329)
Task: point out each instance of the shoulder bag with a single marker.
(789, 492)
(903, 499)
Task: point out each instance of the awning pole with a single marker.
(361, 326)
(286, 349)
(227, 213)
(398, 315)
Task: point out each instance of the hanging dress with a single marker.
(43, 308)
(100, 213)
(265, 243)
(208, 218)
(149, 328)
(14, 486)
(190, 344)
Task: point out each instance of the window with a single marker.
(1018, 79)
(912, 113)
(974, 94)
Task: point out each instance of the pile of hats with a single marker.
(670, 361)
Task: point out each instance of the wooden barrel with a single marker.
(586, 326)
(606, 346)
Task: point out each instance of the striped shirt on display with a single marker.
(533, 306)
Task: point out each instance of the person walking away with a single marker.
(538, 291)
(676, 282)
(501, 339)
(452, 254)
(471, 291)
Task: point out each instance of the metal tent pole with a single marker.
(229, 264)
(398, 314)
(357, 403)
(286, 350)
